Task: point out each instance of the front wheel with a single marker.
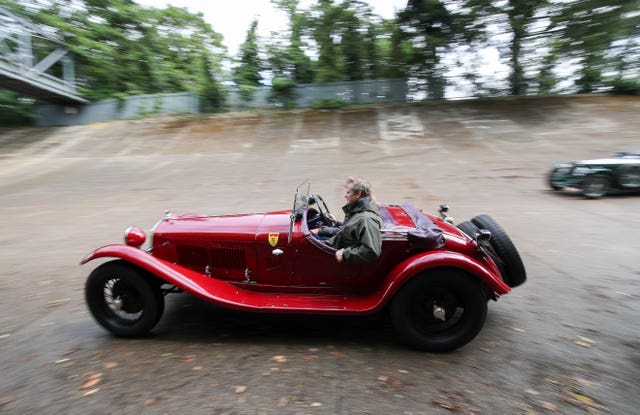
(439, 310)
(551, 180)
(122, 300)
(595, 186)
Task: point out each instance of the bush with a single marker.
(328, 104)
(14, 110)
(622, 86)
(283, 92)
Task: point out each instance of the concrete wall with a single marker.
(112, 109)
(356, 92)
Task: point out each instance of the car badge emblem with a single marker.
(273, 238)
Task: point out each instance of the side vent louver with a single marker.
(228, 258)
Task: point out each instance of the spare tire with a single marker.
(515, 274)
(469, 228)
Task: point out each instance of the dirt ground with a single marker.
(566, 342)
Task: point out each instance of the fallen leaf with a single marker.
(240, 389)
(6, 399)
(403, 371)
(383, 378)
(518, 330)
(585, 382)
(549, 406)
(448, 406)
(55, 303)
(57, 362)
(110, 365)
(4, 336)
(197, 368)
(91, 383)
(583, 344)
(585, 339)
(584, 399)
(150, 402)
(316, 404)
(91, 392)
(279, 359)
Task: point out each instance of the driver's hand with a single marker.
(333, 218)
(315, 231)
(339, 255)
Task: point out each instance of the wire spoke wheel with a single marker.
(123, 300)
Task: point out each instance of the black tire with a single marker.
(550, 181)
(595, 186)
(123, 299)
(629, 177)
(469, 228)
(460, 296)
(508, 259)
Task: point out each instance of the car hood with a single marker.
(241, 227)
(607, 162)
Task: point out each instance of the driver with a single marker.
(357, 240)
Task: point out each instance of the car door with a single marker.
(315, 266)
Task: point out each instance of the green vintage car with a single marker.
(595, 178)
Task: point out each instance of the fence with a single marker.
(355, 92)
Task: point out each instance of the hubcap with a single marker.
(439, 312)
(123, 299)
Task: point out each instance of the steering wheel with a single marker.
(315, 219)
(324, 211)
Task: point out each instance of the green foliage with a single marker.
(328, 104)
(247, 92)
(13, 110)
(283, 92)
(124, 48)
(593, 34)
(247, 73)
(622, 86)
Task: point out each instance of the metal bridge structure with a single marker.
(35, 63)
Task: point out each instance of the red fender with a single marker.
(229, 295)
(201, 285)
(439, 259)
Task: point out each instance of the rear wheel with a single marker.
(123, 300)
(595, 186)
(439, 311)
(514, 272)
(630, 177)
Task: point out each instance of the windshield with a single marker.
(301, 198)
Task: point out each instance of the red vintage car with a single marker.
(434, 278)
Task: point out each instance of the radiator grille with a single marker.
(217, 257)
(228, 258)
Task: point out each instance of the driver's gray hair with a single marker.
(360, 185)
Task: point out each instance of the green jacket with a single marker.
(360, 234)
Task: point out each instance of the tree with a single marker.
(289, 59)
(429, 28)
(590, 32)
(520, 14)
(247, 73)
(122, 48)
